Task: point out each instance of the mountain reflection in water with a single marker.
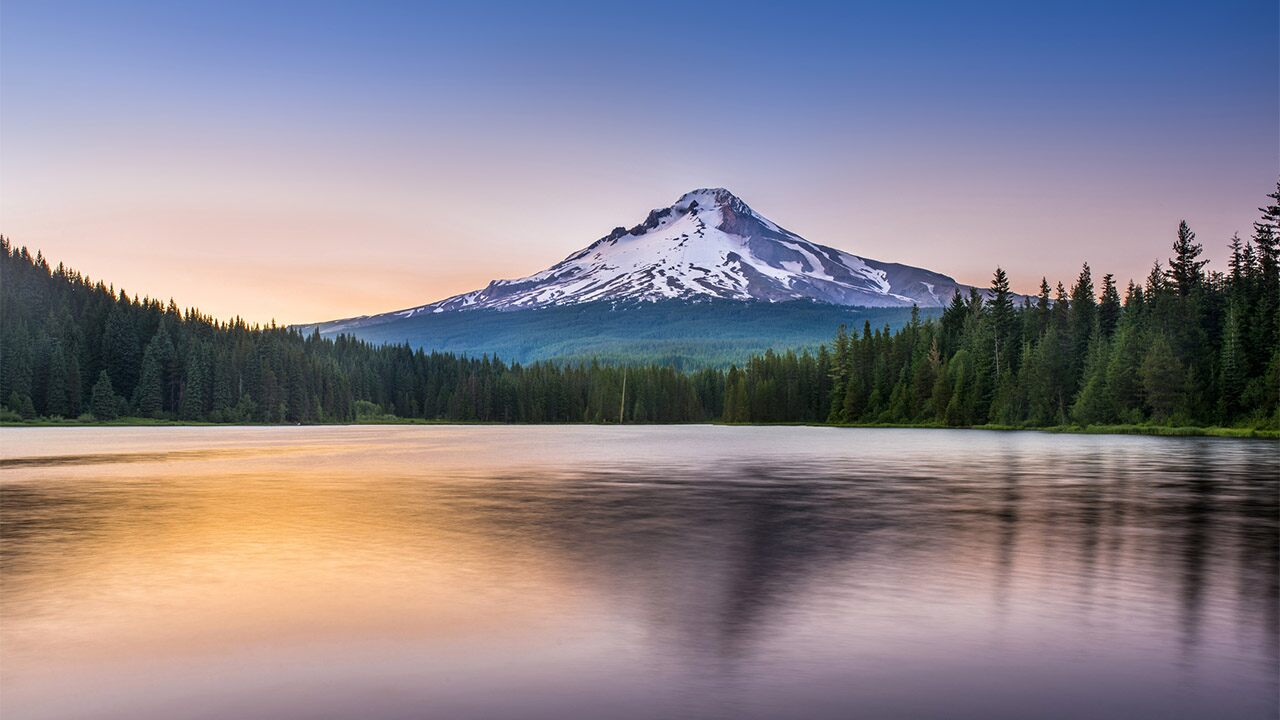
(547, 572)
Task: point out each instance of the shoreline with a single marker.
(1151, 430)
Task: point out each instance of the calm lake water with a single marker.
(635, 572)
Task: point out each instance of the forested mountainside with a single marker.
(1185, 346)
(680, 333)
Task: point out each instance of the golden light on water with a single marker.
(482, 571)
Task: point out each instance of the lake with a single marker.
(635, 572)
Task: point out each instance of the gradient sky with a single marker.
(312, 160)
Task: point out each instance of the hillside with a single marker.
(682, 334)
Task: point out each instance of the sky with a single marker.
(303, 161)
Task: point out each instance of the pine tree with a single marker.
(1043, 303)
(195, 392)
(953, 320)
(160, 360)
(1084, 313)
(1163, 379)
(1185, 271)
(21, 404)
(15, 359)
(104, 403)
(120, 352)
(223, 397)
(74, 382)
(1156, 281)
(1109, 308)
(1232, 376)
(57, 402)
(1094, 405)
(1264, 323)
(925, 376)
(1237, 264)
(1000, 309)
(841, 364)
(960, 400)
(148, 397)
(1123, 383)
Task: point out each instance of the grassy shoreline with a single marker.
(1156, 430)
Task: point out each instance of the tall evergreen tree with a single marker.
(104, 403)
(120, 350)
(1163, 379)
(149, 397)
(1232, 377)
(1000, 308)
(1094, 404)
(1185, 267)
(1109, 307)
(57, 399)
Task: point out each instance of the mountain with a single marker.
(710, 245)
(708, 249)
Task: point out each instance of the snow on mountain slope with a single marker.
(709, 244)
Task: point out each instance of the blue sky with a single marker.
(305, 160)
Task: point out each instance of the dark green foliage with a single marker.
(22, 405)
(187, 366)
(1186, 271)
(57, 399)
(153, 395)
(121, 351)
(104, 403)
(1083, 314)
(1163, 379)
(1187, 346)
(1232, 367)
(1004, 340)
(1109, 307)
(195, 391)
(1094, 405)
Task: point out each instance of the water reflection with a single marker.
(637, 572)
(1007, 537)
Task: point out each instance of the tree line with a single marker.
(70, 346)
(1187, 346)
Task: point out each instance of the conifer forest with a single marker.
(1188, 345)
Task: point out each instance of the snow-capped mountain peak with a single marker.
(711, 197)
(709, 244)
